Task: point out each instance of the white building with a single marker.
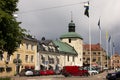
(66, 51)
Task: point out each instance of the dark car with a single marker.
(36, 73)
(113, 76)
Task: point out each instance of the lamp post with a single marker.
(18, 62)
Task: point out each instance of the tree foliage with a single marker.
(11, 33)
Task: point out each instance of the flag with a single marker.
(86, 5)
(109, 39)
(99, 24)
(106, 35)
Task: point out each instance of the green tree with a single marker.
(11, 33)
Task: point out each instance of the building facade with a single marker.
(66, 51)
(23, 58)
(115, 61)
(54, 55)
(74, 40)
(98, 55)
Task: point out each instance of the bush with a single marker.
(7, 78)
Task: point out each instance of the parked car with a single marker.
(74, 71)
(29, 72)
(92, 71)
(47, 72)
(113, 76)
(57, 72)
(36, 73)
(105, 68)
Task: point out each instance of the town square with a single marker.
(59, 40)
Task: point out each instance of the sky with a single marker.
(50, 19)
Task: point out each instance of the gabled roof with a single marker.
(64, 47)
(70, 35)
(30, 39)
(94, 47)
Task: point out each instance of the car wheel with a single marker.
(92, 73)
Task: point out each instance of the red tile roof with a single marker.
(94, 47)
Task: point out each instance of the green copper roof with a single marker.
(71, 35)
(64, 47)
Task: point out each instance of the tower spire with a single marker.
(71, 26)
(71, 16)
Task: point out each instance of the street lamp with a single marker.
(18, 62)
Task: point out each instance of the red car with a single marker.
(74, 71)
(47, 72)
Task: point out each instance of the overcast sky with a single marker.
(53, 22)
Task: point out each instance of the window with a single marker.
(32, 47)
(8, 58)
(80, 59)
(117, 61)
(8, 69)
(98, 53)
(94, 53)
(1, 56)
(27, 46)
(68, 57)
(73, 58)
(32, 58)
(43, 59)
(26, 58)
(98, 58)
(83, 58)
(94, 60)
(88, 52)
(1, 69)
(69, 40)
(18, 56)
(88, 58)
(83, 53)
(57, 59)
(51, 61)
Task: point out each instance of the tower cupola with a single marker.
(71, 26)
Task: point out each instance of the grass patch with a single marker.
(6, 78)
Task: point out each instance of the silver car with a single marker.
(29, 73)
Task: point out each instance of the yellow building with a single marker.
(24, 54)
(115, 60)
(98, 55)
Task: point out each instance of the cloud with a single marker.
(52, 23)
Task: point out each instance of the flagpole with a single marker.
(90, 44)
(86, 5)
(90, 40)
(111, 54)
(101, 48)
(107, 47)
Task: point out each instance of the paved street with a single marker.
(100, 76)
